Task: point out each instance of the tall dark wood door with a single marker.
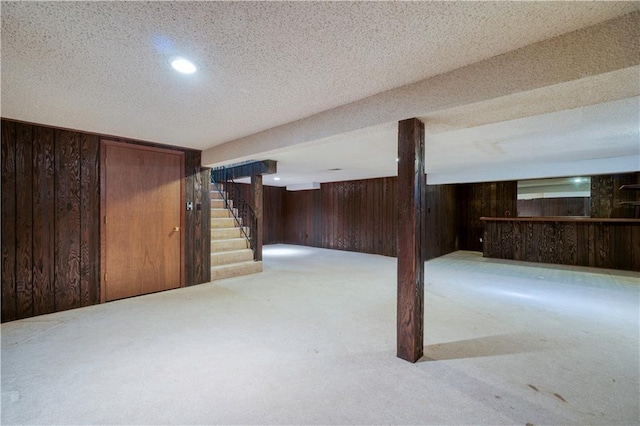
(142, 220)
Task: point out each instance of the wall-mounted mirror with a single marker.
(568, 196)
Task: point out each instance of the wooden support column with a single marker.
(411, 199)
(256, 201)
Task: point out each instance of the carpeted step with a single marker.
(235, 270)
(227, 233)
(223, 222)
(219, 203)
(230, 244)
(234, 256)
(221, 213)
(215, 195)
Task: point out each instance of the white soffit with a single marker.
(601, 138)
(576, 59)
(462, 145)
(605, 130)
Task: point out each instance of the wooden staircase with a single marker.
(231, 255)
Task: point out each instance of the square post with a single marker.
(411, 201)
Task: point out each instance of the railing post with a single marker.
(256, 201)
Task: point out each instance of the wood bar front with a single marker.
(583, 241)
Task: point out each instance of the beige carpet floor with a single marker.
(311, 340)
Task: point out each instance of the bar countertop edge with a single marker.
(560, 219)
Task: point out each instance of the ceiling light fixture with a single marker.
(276, 178)
(183, 65)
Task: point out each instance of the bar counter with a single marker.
(569, 240)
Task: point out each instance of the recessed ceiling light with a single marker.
(184, 66)
(276, 178)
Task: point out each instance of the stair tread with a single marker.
(227, 229)
(219, 253)
(238, 235)
(232, 250)
(237, 264)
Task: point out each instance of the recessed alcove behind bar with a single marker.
(565, 196)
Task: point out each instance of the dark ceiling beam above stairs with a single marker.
(248, 169)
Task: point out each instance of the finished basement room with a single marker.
(320, 213)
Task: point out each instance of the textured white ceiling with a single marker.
(104, 66)
(564, 106)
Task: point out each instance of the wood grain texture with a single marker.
(598, 244)
(635, 248)
(198, 239)
(273, 223)
(43, 220)
(353, 216)
(569, 206)
(197, 223)
(475, 200)
(89, 220)
(411, 202)
(144, 206)
(67, 229)
(191, 165)
(57, 230)
(584, 243)
(601, 196)
(441, 220)
(8, 221)
(621, 196)
(361, 216)
(257, 203)
(202, 231)
(24, 221)
(606, 195)
(570, 244)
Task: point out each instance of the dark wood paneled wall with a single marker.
(273, 223)
(569, 206)
(272, 211)
(606, 195)
(357, 216)
(197, 221)
(51, 213)
(490, 199)
(602, 245)
(442, 220)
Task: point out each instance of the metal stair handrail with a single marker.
(245, 216)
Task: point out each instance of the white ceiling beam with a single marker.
(606, 47)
